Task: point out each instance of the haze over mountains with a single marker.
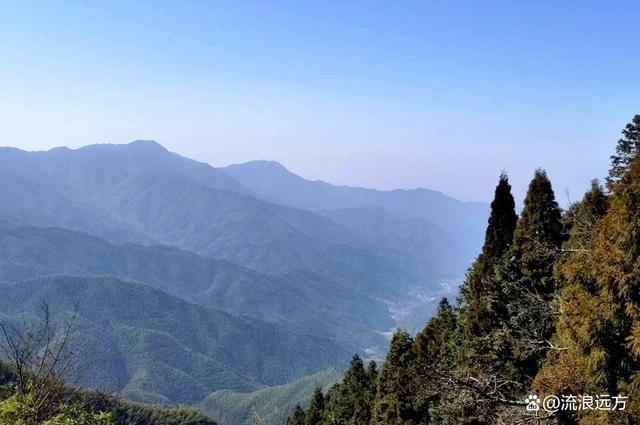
(188, 271)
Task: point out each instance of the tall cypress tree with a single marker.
(502, 222)
(499, 234)
(527, 277)
(538, 235)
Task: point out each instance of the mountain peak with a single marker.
(135, 146)
(263, 164)
(147, 145)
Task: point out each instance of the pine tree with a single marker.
(528, 280)
(392, 405)
(580, 219)
(436, 343)
(627, 149)
(315, 413)
(372, 375)
(598, 334)
(350, 401)
(436, 351)
(477, 291)
(538, 235)
(502, 222)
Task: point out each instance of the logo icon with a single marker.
(533, 403)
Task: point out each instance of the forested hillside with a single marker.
(156, 348)
(548, 311)
(32, 391)
(314, 305)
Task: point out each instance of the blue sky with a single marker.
(442, 95)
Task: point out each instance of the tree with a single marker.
(599, 328)
(579, 221)
(349, 403)
(529, 280)
(372, 376)
(392, 403)
(538, 235)
(501, 224)
(477, 292)
(627, 149)
(315, 413)
(39, 354)
(298, 417)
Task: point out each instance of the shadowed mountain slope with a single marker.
(301, 300)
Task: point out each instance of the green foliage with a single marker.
(75, 415)
(21, 409)
(480, 291)
(315, 413)
(627, 149)
(297, 418)
(502, 223)
(579, 221)
(350, 401)
(600, 331)
(554, 310)
(272, 404)
(127, 337)
(18, 409)
(392, 403)
(538, 235)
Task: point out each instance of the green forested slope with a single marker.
(158, 348)
(271, 405)
(301, 300)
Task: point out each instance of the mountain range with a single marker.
(192, 279)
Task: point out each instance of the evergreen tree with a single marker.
(435, 344)
(392, 405)
(298, 417)
(527, 277)
(372, 376)
(436, 350)
(476, 291)
(315, 413)
(580, 219)
(502, 222)
(538, 235)
(349, 402)
(598, 333)
(482, 351)
(627, 149)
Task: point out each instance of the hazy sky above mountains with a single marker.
(398, 94)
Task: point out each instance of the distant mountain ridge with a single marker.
(143, 193)
(274, 182)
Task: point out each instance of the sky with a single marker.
(401, 94)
